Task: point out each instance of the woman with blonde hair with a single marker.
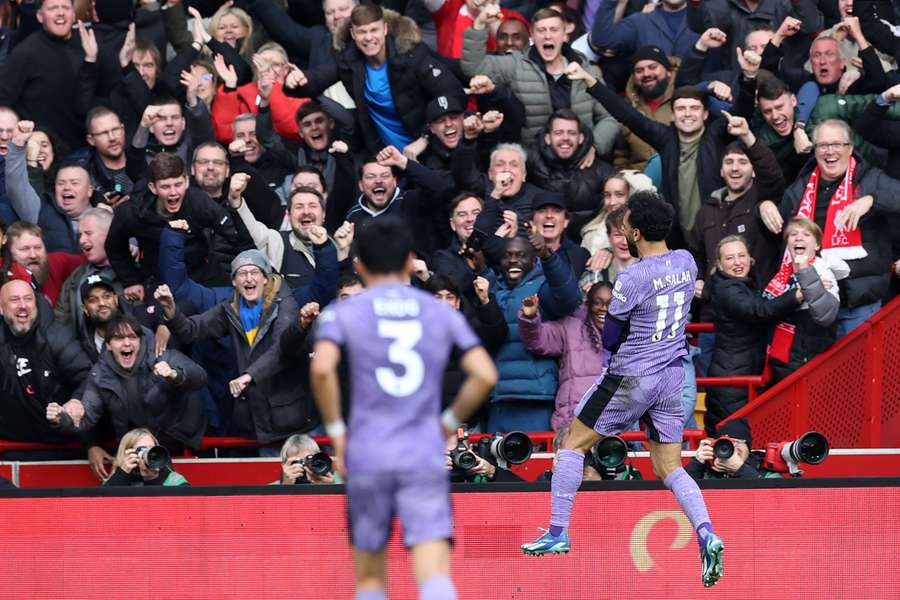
(131, 468)
(232, 26)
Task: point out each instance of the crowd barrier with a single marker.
(851, 392)
(784, 539)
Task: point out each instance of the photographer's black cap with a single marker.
(738, 429)
(96, 281)
(545, 198)
(443, 105)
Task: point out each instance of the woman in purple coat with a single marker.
(576, 340)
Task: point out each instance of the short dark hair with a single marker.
(651, 215)
(313, 170)
(120, 323)
(690, 92)
(348, 279)
(368, 160)
(364, 14)
(772, 89)
(305, 189)
(309, 108)
(166, 101)
(384, 244)
(441, 283)
(566, 114)
(96, 113)
(147, 47)
(460, 197)
(735, 147)
(166, 165)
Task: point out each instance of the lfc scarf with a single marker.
(837, 240)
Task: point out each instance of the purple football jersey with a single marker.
(653, 297)
(397, 341)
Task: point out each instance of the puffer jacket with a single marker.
(273, 406)
(582, 188)
(743, 321)
(522, 375)
(577, 344)
(174, 409)
(526, 77)
(870, 276)
(415, 77)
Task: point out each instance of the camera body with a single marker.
(723, 449)
(318, 463)
(461, 458)
(155, 457)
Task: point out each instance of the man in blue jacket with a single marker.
(524, 395)
(665, 27)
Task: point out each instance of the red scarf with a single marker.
(837, 240)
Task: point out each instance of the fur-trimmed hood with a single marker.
(404, 30)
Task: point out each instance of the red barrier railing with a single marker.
(851, 392)
(545, 438)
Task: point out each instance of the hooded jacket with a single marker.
(274, 405)
(415, 77)
(172, 408)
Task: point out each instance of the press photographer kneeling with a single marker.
(302, 461)
(487, 460)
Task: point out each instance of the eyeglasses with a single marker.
(110, 133)
(825, 147)
(251, 273)
(204, 162)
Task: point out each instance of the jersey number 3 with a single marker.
(404, 335)
(663, 302)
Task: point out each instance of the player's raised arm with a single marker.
(481, 377)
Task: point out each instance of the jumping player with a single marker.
(397, 340)
(644, 332)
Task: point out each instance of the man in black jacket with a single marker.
(42, 75)
(557, 162)
(169, 198)
(42, 366)
(690, 150)
(104, 157)
(841, 207)
(387, 70)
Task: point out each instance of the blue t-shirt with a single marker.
(381, 108)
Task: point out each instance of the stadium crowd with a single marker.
(181, 182)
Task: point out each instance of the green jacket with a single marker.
(528, 81)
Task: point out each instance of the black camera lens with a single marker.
(610, 452)
(514, 447)
(156, 457)
(319, 463)
(811, 448)
(723, 448)
(463, 459)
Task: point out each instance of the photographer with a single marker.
(484, 470)
(740, 465)
(295, 463)
(131, 468)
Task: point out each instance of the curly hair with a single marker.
(651, 215)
